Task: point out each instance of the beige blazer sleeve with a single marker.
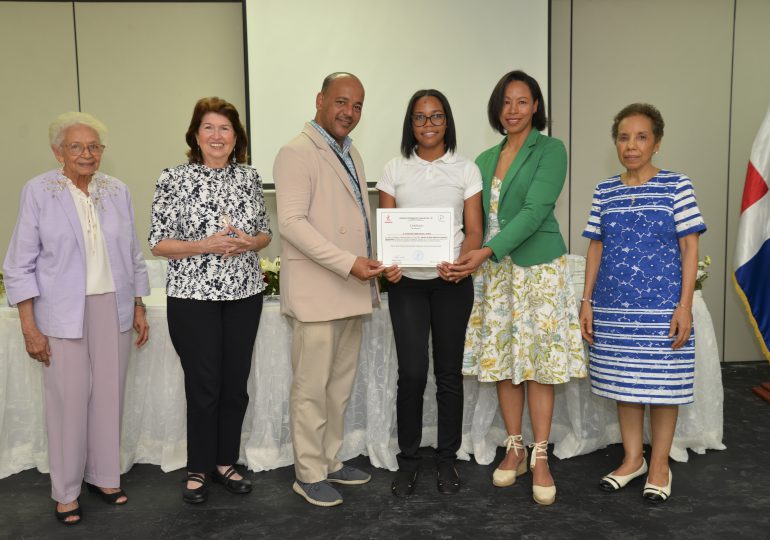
(294, 179)
(322, 231)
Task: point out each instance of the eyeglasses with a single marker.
(76, 149)
(437, 119)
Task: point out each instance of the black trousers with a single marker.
(214, 341)
(419, 308)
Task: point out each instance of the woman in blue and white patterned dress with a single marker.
(636, 311)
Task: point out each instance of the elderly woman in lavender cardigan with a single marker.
(77, 275)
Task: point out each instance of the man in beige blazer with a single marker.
(326, 281)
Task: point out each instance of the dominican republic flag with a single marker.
(752, 254)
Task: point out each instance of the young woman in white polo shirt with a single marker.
(427, 301)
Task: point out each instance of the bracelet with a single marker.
(680, 305)
(589, 300)
(139, 303)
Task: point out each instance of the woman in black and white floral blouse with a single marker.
(209, 220)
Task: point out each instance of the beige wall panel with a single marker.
(676, 55)
(559, 104)
(37, 83)
(142, 67)
(751, 98)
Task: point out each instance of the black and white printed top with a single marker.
(191, 203)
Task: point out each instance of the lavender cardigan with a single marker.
(46, 255)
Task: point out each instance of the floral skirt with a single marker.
(524, 324)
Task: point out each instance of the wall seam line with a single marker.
(247, 112)
(77, 61)
(727, 266)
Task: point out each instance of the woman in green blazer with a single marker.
(523, 330)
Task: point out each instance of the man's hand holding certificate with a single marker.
(414, 237)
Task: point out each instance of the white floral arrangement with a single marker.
(271, 270)
(703, 272)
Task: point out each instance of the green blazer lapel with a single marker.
(520, 159)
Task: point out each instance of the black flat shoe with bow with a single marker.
(447, 479)
(403, 484)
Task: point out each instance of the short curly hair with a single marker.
(64, 121)
(643, 109)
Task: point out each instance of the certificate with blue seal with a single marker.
(415, 237)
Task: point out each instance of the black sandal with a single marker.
(197, 495)
(109, 498)
(62, 516)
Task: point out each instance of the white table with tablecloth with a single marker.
(154, 412)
